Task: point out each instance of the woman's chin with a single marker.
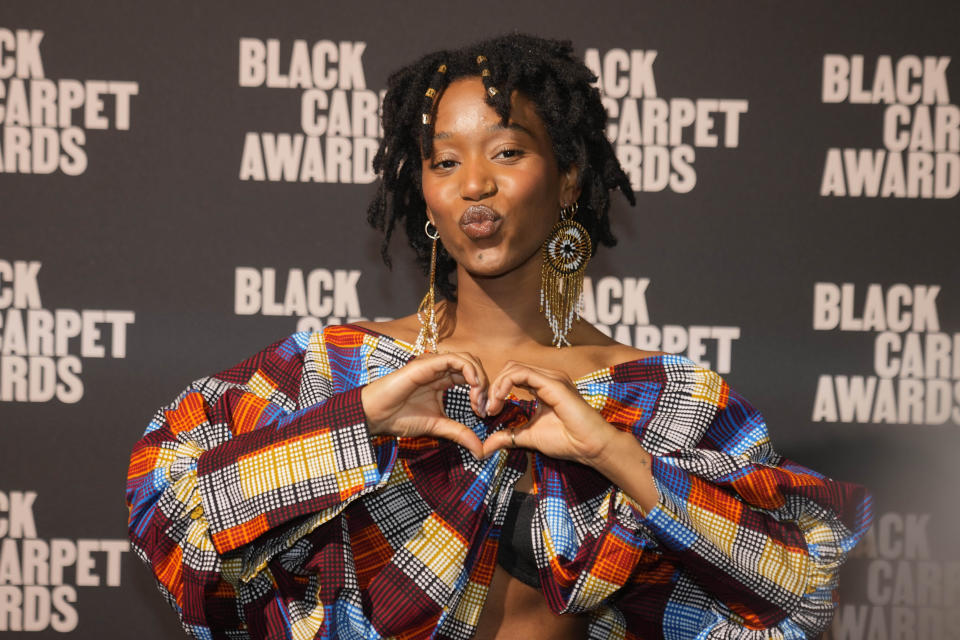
(488, 269)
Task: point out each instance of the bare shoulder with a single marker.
(600, 351)
(404, 329)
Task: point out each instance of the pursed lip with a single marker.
(479, 221)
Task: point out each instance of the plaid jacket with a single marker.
(266, 510)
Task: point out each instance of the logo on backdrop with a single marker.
(41, 349)
(921, 129)
(916, 366)
(655, 138)
(318, 298)
(908, 594)
(339, 121)
(39, 578)
(45, 121)
(618, 308)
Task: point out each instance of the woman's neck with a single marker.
(503, 311)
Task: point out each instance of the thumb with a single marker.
(498, 440)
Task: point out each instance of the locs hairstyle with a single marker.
(547, 73)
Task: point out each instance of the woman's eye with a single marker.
(444, 164)
(510, 153)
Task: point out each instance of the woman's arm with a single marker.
(238, 455)
(246, 463)
(763, 537)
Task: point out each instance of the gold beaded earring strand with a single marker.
(427, 311)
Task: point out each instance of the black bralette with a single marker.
(515, 553)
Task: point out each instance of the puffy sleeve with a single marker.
(743, 543)
(240, 466)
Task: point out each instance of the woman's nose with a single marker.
(477, 181)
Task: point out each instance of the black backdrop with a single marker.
(776, 255)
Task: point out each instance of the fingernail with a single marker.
(482, 401)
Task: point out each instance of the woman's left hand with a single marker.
(563, 426)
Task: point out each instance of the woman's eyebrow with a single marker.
(515, 126)
(494, 128)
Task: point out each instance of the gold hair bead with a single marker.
(431, 92)
(481, 59)
(492, 91)
(426, 118)
(485, 73)
(442, 68)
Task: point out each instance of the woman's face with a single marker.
(493, 191)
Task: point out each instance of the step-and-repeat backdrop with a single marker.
(183, 183)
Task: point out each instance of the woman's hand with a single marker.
(564, 426)
(409, 402)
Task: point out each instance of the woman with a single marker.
(454, 474)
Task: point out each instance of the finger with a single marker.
(512, 373)
(548, 375)
(469, 371)
(434, 368)
(497, 441)
(481, 373)
(458, 433)
(514, 438)
(447, 380)
(478, 389)
(478, 401)
(498, 394)
(544, 387)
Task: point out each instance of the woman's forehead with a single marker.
(463, 107)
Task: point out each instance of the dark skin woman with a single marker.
(495, 338)
(488, 467)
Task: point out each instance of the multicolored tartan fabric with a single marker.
(267, 511)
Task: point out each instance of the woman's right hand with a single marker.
(408, 403)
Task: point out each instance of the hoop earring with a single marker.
(426, 312)
(566, 253)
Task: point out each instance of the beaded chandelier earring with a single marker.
(566, 253)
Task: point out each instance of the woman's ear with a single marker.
(570, 184)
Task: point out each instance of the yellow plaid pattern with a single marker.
(287, 463)
(784, 567)
(708, 387)
(261, 386)
(717, 529)
(440, 549)
(317, 354)
(471, 603)
(306, 622)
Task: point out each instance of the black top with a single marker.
(515, 553)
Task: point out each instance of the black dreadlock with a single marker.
(547, 73)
